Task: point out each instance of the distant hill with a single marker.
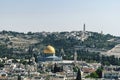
(19, 43)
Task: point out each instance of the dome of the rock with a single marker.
(49, 50)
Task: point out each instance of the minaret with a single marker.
(84, 28)
(83, 33)
(62, 53)
(75, 57)
(101, 32)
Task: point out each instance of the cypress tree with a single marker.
(19, 77)
(78, 75)
(55, 68)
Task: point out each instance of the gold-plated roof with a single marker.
(49, 50)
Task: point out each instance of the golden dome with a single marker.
(49, 49)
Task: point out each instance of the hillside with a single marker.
(19, 43)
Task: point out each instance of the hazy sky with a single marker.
(60, 15)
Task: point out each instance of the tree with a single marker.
(14, 61)
(75, 69)
(94, 75)
(99, 72)
(1, 64)
(55, 68)
(30, 51)
(78, 75)
(19, 77)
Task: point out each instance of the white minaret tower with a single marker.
(75, 57)
(83, 33)
(83, 30)
(62, 53)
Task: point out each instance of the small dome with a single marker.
(49, 49)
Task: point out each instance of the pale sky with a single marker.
(60, 15)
